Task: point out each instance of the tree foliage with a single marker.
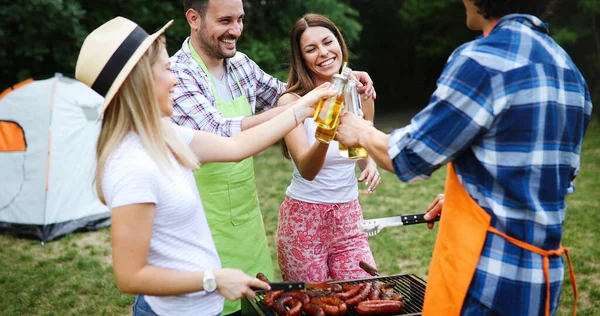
(36, 48)
(403, 44)
(576, 26)
(269, 22)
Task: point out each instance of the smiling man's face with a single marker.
(221, 27)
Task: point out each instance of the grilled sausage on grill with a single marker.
(280, 304)
(326, 286)
(330, 305)
(392, 296)
(313, 310)
(297, 295)
(295, 307)
(271, 297)
(379, 307)
(350, 292)
(361, 296)
(375, 291)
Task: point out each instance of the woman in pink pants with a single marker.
(317, 234)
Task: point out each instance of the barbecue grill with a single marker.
(409, 285)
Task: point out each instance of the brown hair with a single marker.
(300, 80)
(199, 6)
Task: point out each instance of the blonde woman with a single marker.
(162, 247)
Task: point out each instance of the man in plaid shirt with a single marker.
(509, 112)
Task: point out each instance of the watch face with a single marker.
(210, 285)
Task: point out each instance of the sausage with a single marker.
(331, 306)
(392, 297)
(304, 298)
(379, 307)
(334, 306)
(361, 296)
(352, 291)
(280, 304)
(326, 285)
(313, 310)
(271, 297)
(262, 277)
(348, 287)
(343, 308)
(297, 295)
(375, 291)
(295, 307)
(318, 293)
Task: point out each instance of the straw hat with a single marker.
(110, 52)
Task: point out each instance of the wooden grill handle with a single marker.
(369, 268)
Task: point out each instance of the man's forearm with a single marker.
(253, 120)
(376, 143)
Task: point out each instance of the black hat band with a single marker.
(118, 60)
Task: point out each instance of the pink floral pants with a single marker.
(320, 241)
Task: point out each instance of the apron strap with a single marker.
(546, 264)
(200, 62)
(573, 283)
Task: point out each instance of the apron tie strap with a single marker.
(545, 263)
(573, 283)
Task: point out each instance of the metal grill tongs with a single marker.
(373, 226)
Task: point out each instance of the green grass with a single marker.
(73, 275)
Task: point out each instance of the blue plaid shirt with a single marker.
(194, 103)
(510, 111)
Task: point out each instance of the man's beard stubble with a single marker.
(213, 51)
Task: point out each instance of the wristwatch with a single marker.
(209, 283)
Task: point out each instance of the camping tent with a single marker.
(48, 134)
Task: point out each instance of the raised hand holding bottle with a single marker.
(352, 104)
(327, 114)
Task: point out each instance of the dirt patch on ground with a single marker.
(99, 241)
(97, 238)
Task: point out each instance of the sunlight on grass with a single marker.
(73, 275)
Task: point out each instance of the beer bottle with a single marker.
(352, 104)
(327, 114)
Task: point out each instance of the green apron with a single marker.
(228, 193)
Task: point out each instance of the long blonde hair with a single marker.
(135, 109)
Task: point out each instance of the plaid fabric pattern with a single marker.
(194, 102)
(510, 111)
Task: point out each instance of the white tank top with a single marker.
(335, 183)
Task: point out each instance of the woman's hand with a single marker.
(370, 175)
(435, 209)
(305, 106)
(234, 284)
(364, 84)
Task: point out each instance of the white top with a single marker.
(181, 238)
(222, 87)
(336, 181)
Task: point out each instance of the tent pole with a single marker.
(45, 233)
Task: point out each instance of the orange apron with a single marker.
(461, 236)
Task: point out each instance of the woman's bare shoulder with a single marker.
(287, 98)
